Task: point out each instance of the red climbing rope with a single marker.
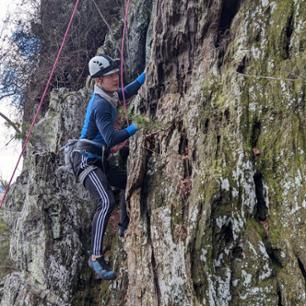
(42, 98)
(125, 24)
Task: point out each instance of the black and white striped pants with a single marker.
(99, 185)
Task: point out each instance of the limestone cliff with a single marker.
(226, 86)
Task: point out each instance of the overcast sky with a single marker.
(10, 153)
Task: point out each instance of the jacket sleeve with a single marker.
(103, 118)
(129, 90)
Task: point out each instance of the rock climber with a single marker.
(98, 136)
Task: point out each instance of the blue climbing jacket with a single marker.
(101, 115)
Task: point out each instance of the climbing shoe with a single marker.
(102, 270)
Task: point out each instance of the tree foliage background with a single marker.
(30, 51)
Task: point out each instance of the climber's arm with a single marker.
(132, 88)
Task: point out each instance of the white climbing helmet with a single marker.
(102, 65)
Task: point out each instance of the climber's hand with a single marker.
(141, 78)
(132, 129)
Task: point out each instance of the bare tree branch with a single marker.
(7, 95)
(106, 23)
(11, 123)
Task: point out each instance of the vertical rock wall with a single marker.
(232, 154)
(52, 218)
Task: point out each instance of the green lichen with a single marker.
(281, 23)
(254, 229)
(6, 265)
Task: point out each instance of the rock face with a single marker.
(46, 235)
(216, 193)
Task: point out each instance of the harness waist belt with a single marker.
(89, 146)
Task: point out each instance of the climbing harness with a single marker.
(82, 145)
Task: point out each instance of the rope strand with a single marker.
(270, 77)
(106, 23)
(126, 12)
(42, 98)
